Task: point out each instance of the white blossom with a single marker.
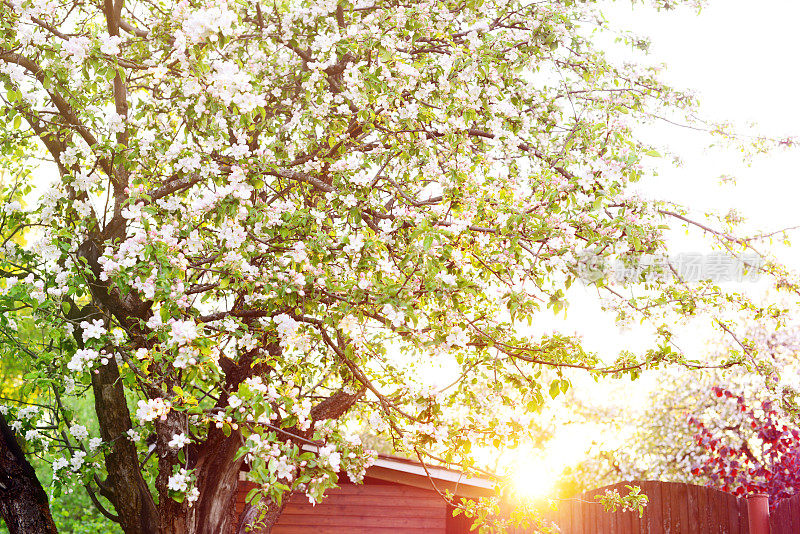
(179, 441)
(79, 432)
(94, 330)
(152, 409)
(179, 481)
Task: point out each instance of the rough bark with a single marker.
(128, 490)
(23, 501)
(218, 480)
(171, 513)
(335, 406)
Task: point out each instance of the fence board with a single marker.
(776, 519)
(584, 512)
(744, 518)
(564, 517)
(706, 519)
(681, 500)
(630, 519)
(790, 524)
(720, 513)
(732, 505)
(786, 516)
(652, 515)
(693, 509)
(711, 514)
(613, 521)
(667, 511)
(591, 522)
(784, 513)
(577, 520)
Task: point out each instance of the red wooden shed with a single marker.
(396, 497)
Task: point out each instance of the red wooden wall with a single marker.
(372, 508)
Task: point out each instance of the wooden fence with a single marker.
(674, 508)
(785, 518)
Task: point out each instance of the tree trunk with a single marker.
(124, 486)
(23, 502)
(171, 513)
(218, 481)
(127, 489)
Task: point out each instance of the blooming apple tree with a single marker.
(269, 218)
(723, 427)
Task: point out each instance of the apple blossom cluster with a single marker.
(633, 501)
(182, 483)
(287, 464)
(290, 333)
(179, 441)
(152, 409)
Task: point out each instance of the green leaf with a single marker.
(555, 388)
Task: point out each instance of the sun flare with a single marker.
(534, 479)
(535, 475)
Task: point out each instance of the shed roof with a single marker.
(411, 473)
(408, 472)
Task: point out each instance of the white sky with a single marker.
(739, 57)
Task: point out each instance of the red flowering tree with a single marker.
(758, 452)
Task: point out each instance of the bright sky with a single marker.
(736, 55)
(739, 57)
